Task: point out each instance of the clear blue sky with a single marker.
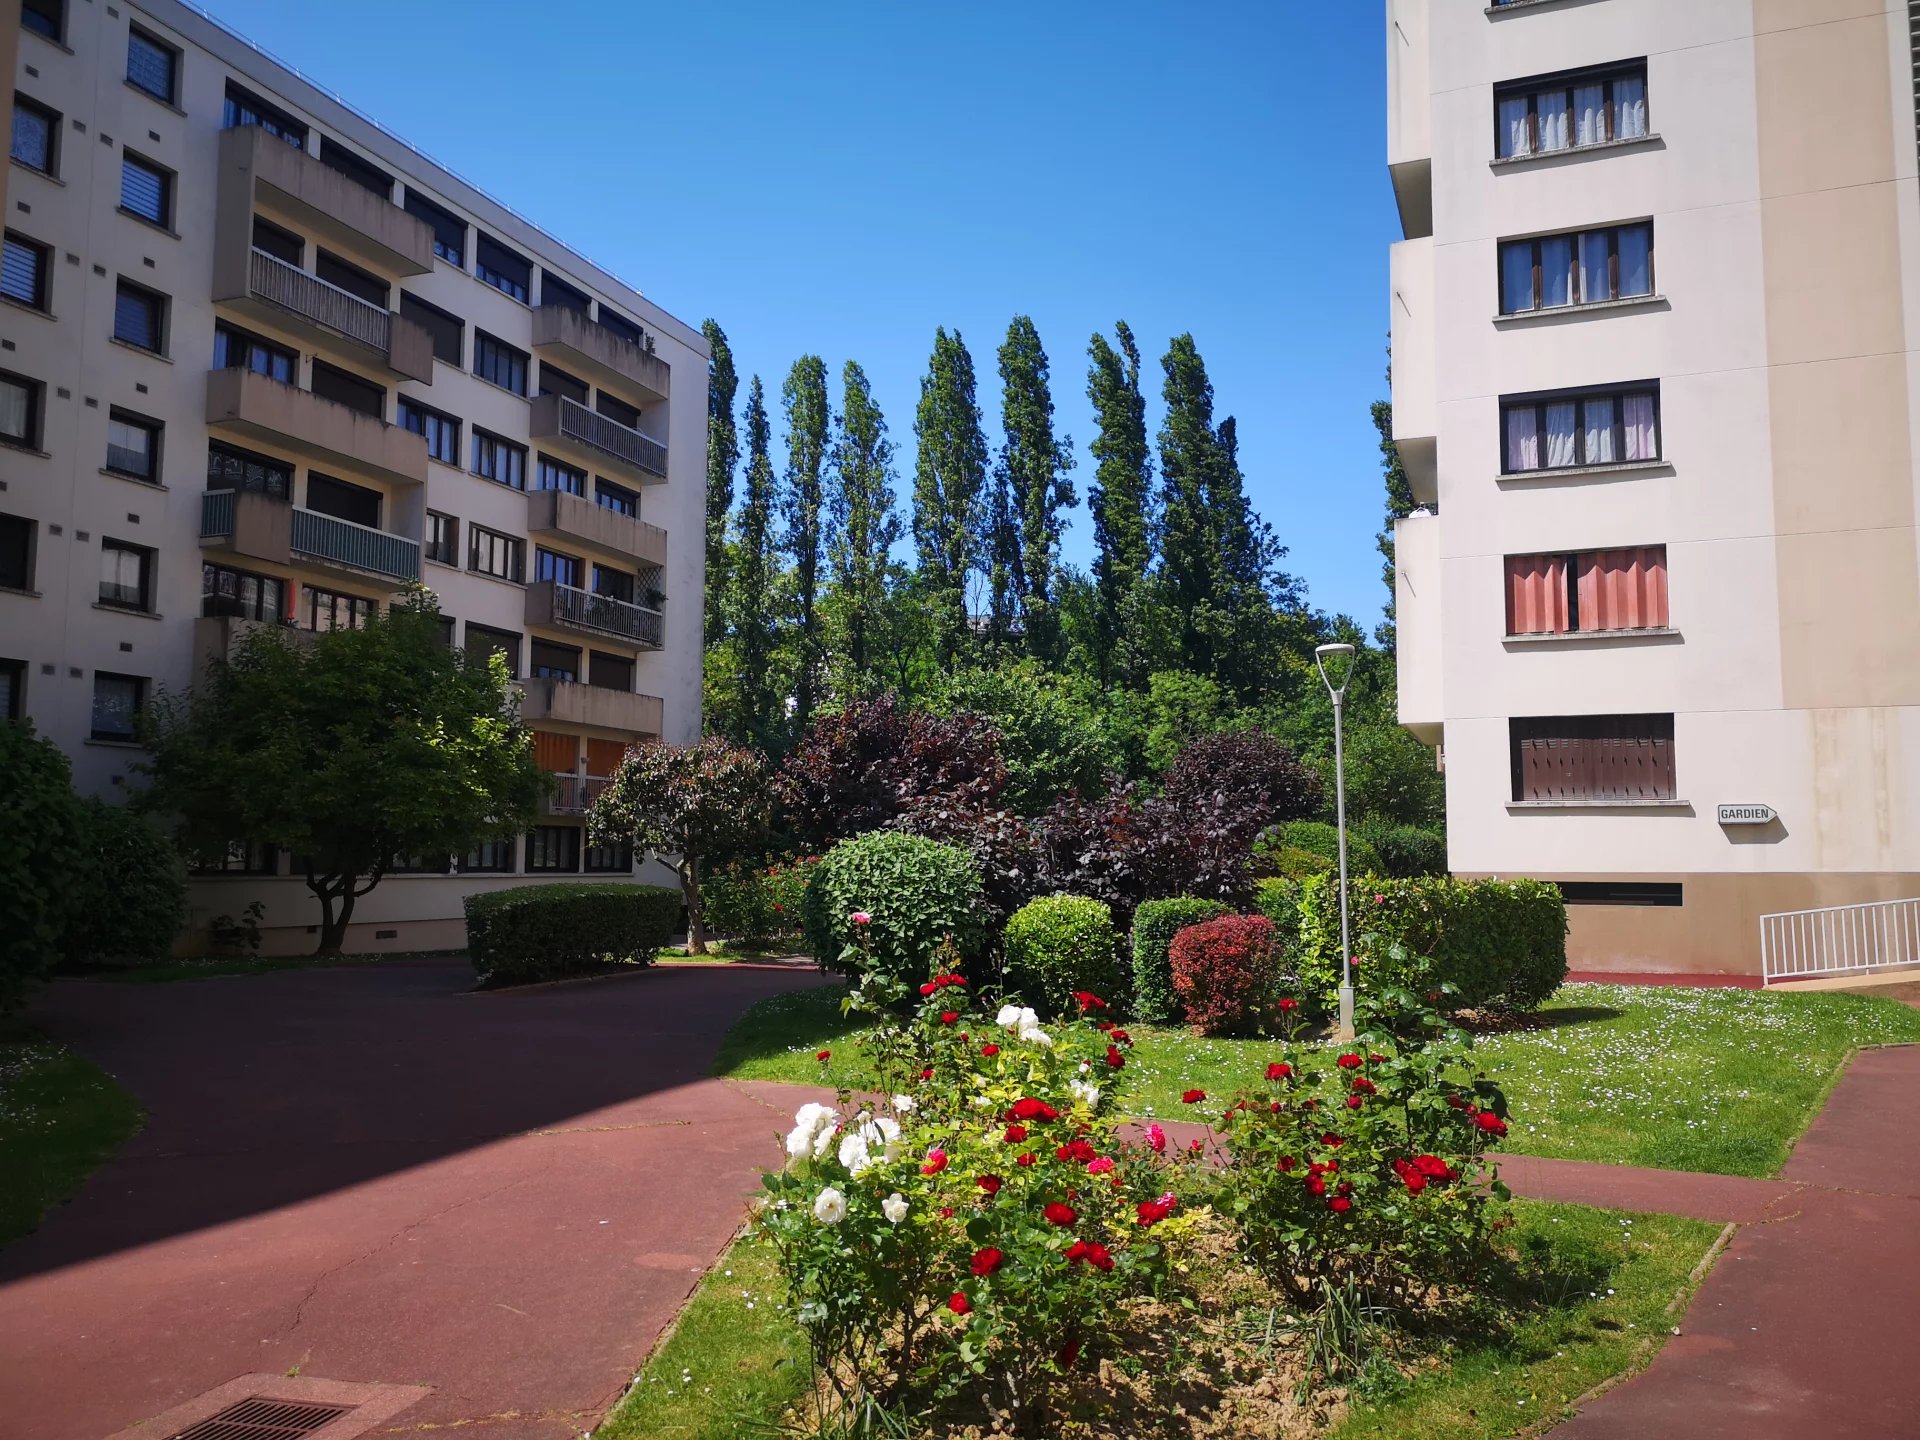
(843, 177)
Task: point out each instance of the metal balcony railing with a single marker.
(320, 301)
(324, 537)
(603, 612)
(591, 428)
(216, 513)
(575, 794)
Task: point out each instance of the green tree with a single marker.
(359, 751)
(1399, 505)
(43, 847)
(1053, 736)
(804, 397)
(1036, 466)
(723, 455)
(999, 559)
(1189, 454)
(748, 705)
(1119, 498)
(688, 804)
(950, 470)
(862, 528)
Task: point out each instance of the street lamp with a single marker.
(1321, 655)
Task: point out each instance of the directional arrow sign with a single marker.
(1748, 815)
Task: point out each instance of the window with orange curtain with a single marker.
(604, 757)
(1587, 591)
(1537, 601)
(557, 753)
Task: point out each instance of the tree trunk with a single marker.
(336, 894)
(690, 892)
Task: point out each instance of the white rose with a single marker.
(811, 1123)
(853, 1152)
(885, 1133)
(1009, 1017)
(830, 1206)
(982, 1102)
(1085, 1091)
(894, 1207)
(903, 1104)
(1034, 1035)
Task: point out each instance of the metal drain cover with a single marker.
(260, 1419)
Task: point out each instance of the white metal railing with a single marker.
(320, 301)
(574, 794)
(1839, 939)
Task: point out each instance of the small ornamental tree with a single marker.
(687, 803)
(355, 752)
(1246, 776)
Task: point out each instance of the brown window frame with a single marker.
(1592, 759)
(1618, 394)
(1612, 232)
(1564, 83)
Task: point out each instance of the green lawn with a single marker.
(1679, 1079)
(59, 1118)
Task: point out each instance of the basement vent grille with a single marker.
(258, 1419)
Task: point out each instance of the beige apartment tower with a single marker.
(261, 363)
(1654, 322)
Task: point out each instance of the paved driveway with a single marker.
(369, 1175)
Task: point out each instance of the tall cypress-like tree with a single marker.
(1189, 455)
(804, 397)
(950, 469)
(1036, 466)
(723, 455)
(1120, 496)
(754, 593)
(1400, 504)
(999, 558)
(862, 528)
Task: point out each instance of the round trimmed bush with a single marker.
(1224, 973)
(1324, 840)
(1058, 944)
(1155, 924)
(918, 893)
(1406, 850)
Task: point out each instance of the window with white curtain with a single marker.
(1575, 429)
(1574, 110)
(1586, 267)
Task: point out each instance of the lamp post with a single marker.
(1321, 655)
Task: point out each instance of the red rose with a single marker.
(958, 1303)
(989, 1049)
(1194, 1097)
(1193, 1147)
(822, 1055)
(1058, 1214)
(1362, 1085)
(936, 1162)
(1332, 1141)
(986, 1260)
(946, 1212)
(1024, 1161)
(1014, 1134)
(1316, 1185)
(1114, 1057)
(1354, 1102)
(1078, 1150)
(928, 988)
(1152, 1212)
(1287, 1162)
(1349, 1062)
(947, 1017)
(1279, 1070)
(1340, 1204)
(1289, 1004)
(1088, 1000)
(1491, 1123)
(1414, 1181)
(1433, 1167)
(1029, 1108)
(989, 1183)
(927, 1074)
(1122, 1037)
(1456, 1102)
(1099, 1257)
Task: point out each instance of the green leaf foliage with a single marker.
(1053, 737)
(1036, 465)
(43, 846)
(1321, 839)
(131, 895)
(809, 421)
(1120, 498)
(1155, 923)
(950, 471)
(723, 458)
(546, 932)
(1059, 944)
(1405, 850)
(919, 893)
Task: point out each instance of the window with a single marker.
(554, 848)
(446, 330)
(501, 268)
(558, 475)
(139, 317)
(36, 136)
(16, 553)
(117, 702)
(555, 291)
(491, 553)
(621, 327)
(499, 460)
(242, 594)
(449, 230)
(146, 190)
(1587, 267)
(1575, 429)
(614, 584)
(616, 497)
(420, 865)
(443, 538)
(231, 468)
(609, 672)
(445, 624)
(337, 385)
(24, 271)
(555, 662)
(133, 446)
(1620, 892)
(555, 381)
(484, 642)
(1592, 758)
(615, 858)
(617, 410)
(1587, 592)
(241, 857)
(13, 689)
(45, 17)
(499, 363)
(152, 65)
(560, 569)
(279, 243)
(331, 610)
(1571, 111)
(350, 278)
(363, 173)
(355, 504)
(442, 432)
(126, 575)
(237, 350)
(19, 411)
(490, 857)
(246, 108)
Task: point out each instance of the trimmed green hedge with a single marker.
(1405, 850)
(1155, 924)
(1324, 840)
(1494, 941)
(1279, 901)
(917, 891)
(545, 932)
(1058, 944)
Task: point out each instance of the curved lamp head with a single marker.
(1342, 657)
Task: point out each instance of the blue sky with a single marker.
(841, 178)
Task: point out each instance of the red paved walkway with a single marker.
(371, 1176)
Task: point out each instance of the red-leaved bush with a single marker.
(1224, 973)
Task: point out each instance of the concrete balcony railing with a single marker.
(567, 608)
(1416, 380)
(569, 702)
(285, 295)
(336, 435)
(577, 341)
(334, 541)
(606, 442)
(1418, 634)
(559, 513)
(259, 171)
(247, 524)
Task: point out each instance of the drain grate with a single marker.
(258, 1419)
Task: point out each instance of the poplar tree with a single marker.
(1120, 496)
(861, 525)
(723, 455)
(1189, 453)
(755, 591)
(999, 558)
(950, 470)
(1399, 506)
(1036, 466)
(804, 397)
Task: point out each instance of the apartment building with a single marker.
(1653, 325)
(261, 363)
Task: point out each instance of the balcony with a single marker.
(220, 637)
(285, 415)
(1416, 380)
(1416, 616)
(567, 608)
(332, 541)
(559, 513)
(248, 524)
(261, 171)
(604, 442)
(569, 702)
(573, 795)
(1410, 116)
(268, 289)
(574, 339)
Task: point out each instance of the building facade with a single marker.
(1654, 382)
(263, 364)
